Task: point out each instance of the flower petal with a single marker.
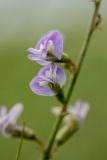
(57, 39)
(37, 56)
(60, 77)
(82, 109)
(57, 74)
(43, 40)
(44, 70)
(49, 71)
(3, 111)
(39, 89)
(10, 119)
(79, 110)
(49, 48)
(48, 75)
(13, 115)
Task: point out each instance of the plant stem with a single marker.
(83, 50)
(92, 27)
(54, 132)
(20, 144)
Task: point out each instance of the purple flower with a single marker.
(49, 81)
(9, 119)
(76, 112)
(48, 49)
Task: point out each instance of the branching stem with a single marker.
(91, 29)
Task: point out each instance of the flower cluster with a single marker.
(50, 78)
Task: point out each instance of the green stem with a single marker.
(20, 144)
(83, 50)
(47, 153)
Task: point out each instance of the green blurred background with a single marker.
(21, 25)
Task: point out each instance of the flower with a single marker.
(48, 49)
(8, 120)
(73, 120)
(48, 81)
(77, 112)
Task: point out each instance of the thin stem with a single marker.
(40, 144)
(47, 154)
(82, 54)
(20, 144)
(83, 50)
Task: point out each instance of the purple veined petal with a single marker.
(57, 39)
(38, 56)
(60, 77)
(52, 42)
(39, 61)
(45, 80)
(57, 74)
(53, 71)
(49, 71)
(38, 89)
(43, 70)
(34, 51)
(43, 62)
(34, 54)
(48, 74)
(43, 40)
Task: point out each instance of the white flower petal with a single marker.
(15, 113)
(3, 111)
